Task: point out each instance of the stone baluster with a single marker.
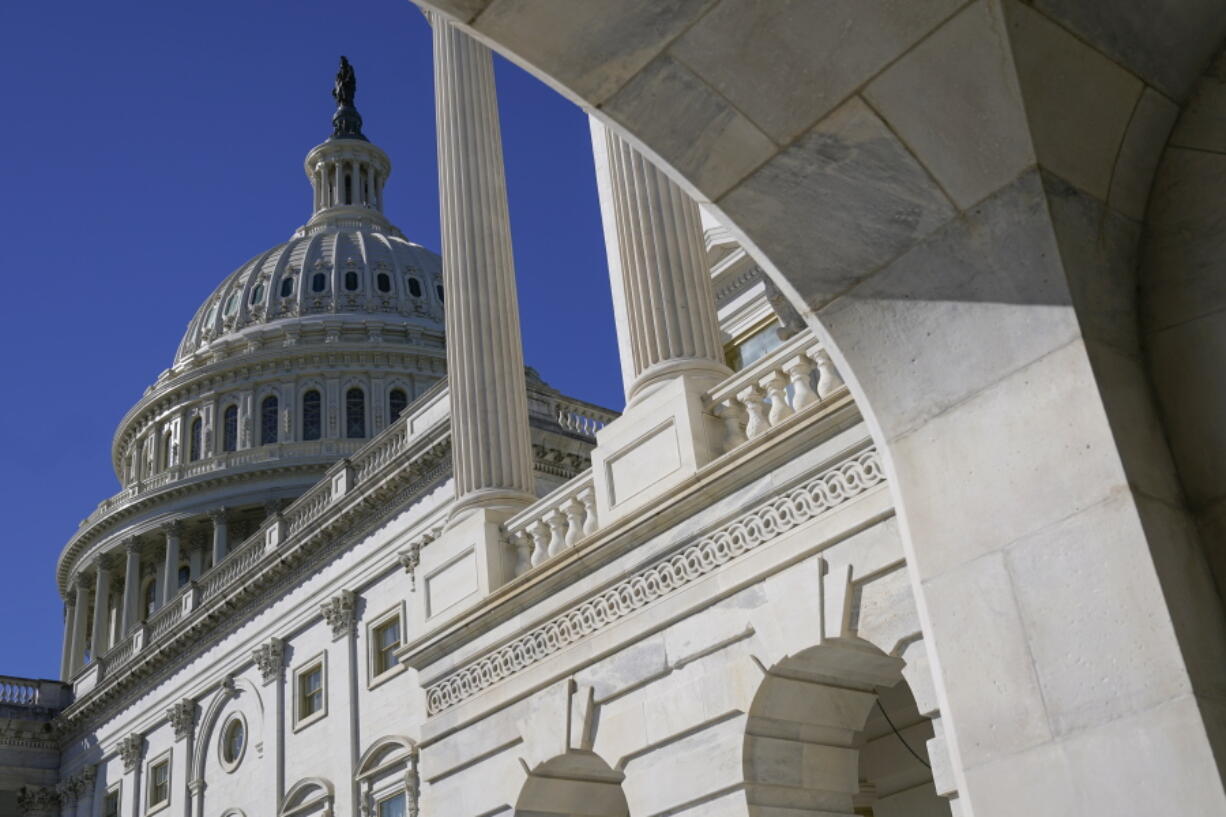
(102, 596)
(131, 587)
(485, 368)
(523, 552)
(574, 520)
(758, 422)
(588, 498)
(828, 378)
(556, 521)
(80, 622)
(799, 371)
(776, 386)
(170, 565)
(540, 537)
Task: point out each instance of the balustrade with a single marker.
(582, 418)
(18, 691)
(553, 523)
(792, 378)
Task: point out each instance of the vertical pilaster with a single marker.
(489, 405)
(131, 587)
(80, 622)
(170, 565)
(102, 596)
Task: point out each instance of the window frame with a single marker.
(223, 738)
(264, 419)
(375, 677)
(392, 414)
(195, 443)
(365, 435)
(228, 444)
(319, 419)
(153, 762)
(320, 661)
(116, 790)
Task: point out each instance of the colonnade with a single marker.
(89, 629)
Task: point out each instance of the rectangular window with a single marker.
(110, 808)
(310, 691)
(386, 641)
(392, 806)
(159, 783)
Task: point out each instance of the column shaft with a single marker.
(666, 310)
(80, 623)
(489, 408)
(102, 597)
(131, 589)
(170, 572)
(221, 536)
(66, 655)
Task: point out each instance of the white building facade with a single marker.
(358, 568)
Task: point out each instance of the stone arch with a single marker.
(234, 694)
(835, 729)
(944, 193)
(578, 783)
(312, 796)
(388, 767)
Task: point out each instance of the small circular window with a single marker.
(233, 742)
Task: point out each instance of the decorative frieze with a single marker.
(182, 717)
(269, 658)
(131, 750)
(750, 530)
(340, 612)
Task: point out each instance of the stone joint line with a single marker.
(755, 527)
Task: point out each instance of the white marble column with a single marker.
(102, 598)
(131, 588)
(66, 653)
(221, 535)
(170, 571)
(661, 285)
(80, 622)
(485, 366)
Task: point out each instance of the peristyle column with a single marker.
(102, 596)
(131, 587)
(170, 567)
(221, 535)
(661, 284)
(485, 367)
(80, 622)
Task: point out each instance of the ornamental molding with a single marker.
(340, 612)
(747, 532)
(182, 717)
(76, 786)
(131, 750)
(38, 801)
(269, 659)
(410, 559)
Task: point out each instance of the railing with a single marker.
(582, 418)
(241, 561)
(553, 523)
(18, 691)
(793, 377)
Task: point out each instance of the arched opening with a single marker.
(268, 420)
(387, 778)
(197, 435)
(576, 784)
(229, 428)
(312, 416)
(836, 729)
(311, 797)
(355, 413)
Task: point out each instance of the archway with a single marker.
(576, 784)
(387, 778)
(943, 190)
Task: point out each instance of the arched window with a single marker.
(167, 450)
(287, 287)
(396, 402)
(355, 414)
(257, 294)
(351, 280)
(150, 599)
(229, 429)
(231, 304)
(268, 420)
(319, 282)
(384, 282)
(196, 439)
(439, 289)
(311, 416)
(414, 287)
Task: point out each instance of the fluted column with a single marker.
(661, 285)
(221, 535)
(80, 622)
(131, 588)
(485, 366)
(66, 653)
(170, 567)
(102, 597)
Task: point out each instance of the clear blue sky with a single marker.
(149, 148)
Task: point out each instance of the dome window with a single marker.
(414, 287)
(351, 280)
(311, 416)
(196, 435)
(319, 282)
(355, 414)
(229, 434)
(257, 294)
(397, 400)
(384, 282)
(439, 289)
(268, 420)
(287, 287)
(210, 315)
(231, 304)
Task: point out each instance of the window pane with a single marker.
(112, 805)
(355, 414)
(229, 437)
(384, 282)
(197, 430)
(311, 416)
(439, 289)
(287, 287)
(351, 280)
(257, 294)
(319, 282)
(392, 806)
(268, 421)
(415, 287)
(397, 400)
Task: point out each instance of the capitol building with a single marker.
(916, 507)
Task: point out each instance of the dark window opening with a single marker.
(415, 287)
(351, 280)
(229, 435)
(355, 414)
(196, 438)
(268, 420)
(396, 402)
(384, 282)
(311, 416)
(287, 287)
(439, 289)
(319, 282)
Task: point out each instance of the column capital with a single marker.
(81, 581)
(171, 528)
(182, 717)
(131, 749)
(219, 514)
(340, 612)
(269, 658)
(104, 562)
(131, 545)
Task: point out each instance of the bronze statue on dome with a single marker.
(346, 122)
